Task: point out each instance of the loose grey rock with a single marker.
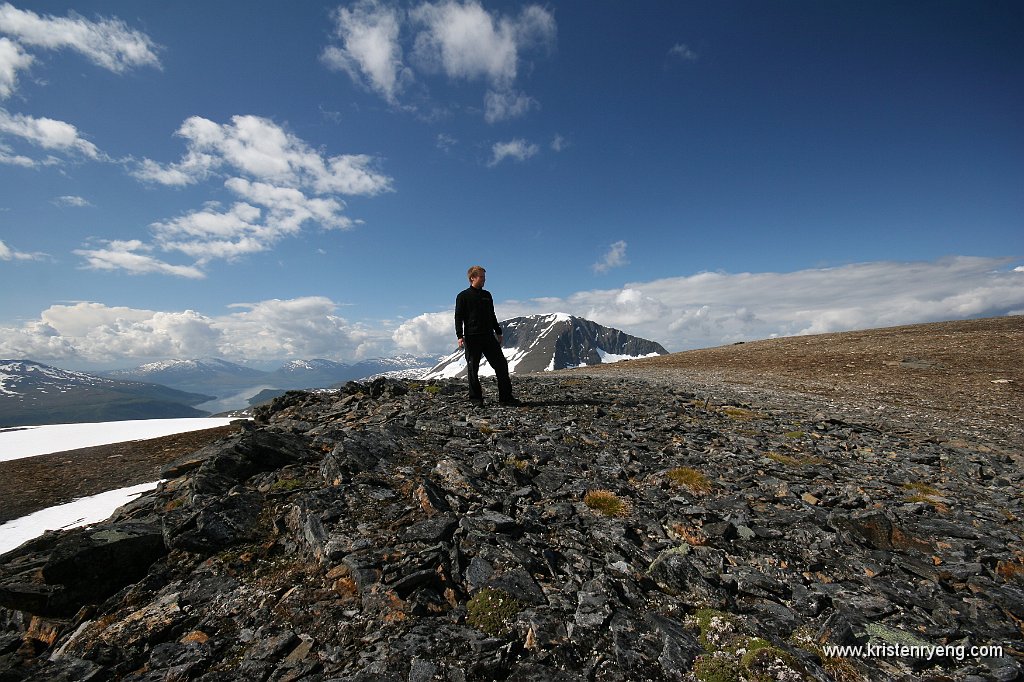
(390, 532)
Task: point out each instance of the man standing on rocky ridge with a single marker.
(480, 335)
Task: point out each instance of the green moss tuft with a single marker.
(492, 611)
(767, 663)
(715, 669)
(285, 485)
(717, 628)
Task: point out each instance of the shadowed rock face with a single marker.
(392, 531)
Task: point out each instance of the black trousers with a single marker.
(486, 345)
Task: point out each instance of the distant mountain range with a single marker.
(221, 377)
(540, 343)
(32, 393)
(209, 375)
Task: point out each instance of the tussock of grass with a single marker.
(690, 478)
(692, 537)
(516, 463)
(926, 494)
(790, 460)
(921, 488)
(606, 502)
(738, 413)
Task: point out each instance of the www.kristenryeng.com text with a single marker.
(959, 652)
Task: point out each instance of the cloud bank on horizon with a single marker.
(696, 311)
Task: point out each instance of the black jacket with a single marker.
(474, 313)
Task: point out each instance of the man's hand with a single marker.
(500, 341)
(460, 343)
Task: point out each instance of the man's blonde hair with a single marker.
(474, 271)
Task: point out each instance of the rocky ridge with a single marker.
(610, 529)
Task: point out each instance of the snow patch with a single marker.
(31, 441)
(608, 358)
(81, 512)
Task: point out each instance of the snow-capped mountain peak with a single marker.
(553, 341)
(19, 377)
(314, 365)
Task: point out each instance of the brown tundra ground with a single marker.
(949, 380)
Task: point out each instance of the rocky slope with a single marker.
(610, 529)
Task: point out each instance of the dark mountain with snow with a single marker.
(32, 393)
(399, 365)
(312, 374)
(209, 375)
(540, 343)
(326, 373)
(222, 378)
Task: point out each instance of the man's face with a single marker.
(477, 281)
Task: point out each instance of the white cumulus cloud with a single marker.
(90, 333)
(682, 52)
(714, 308)
(281, 183)
(71, 200)
(426, 334)
(462, 41)
(258, 148)
(12, 60)
(7, 253)
(47, 133)
(370, 48)
(108, 43)
(517, 150)
(693, 311)
(502, 105)
(615, 257)
(125, 255)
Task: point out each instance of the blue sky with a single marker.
(260, 181)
